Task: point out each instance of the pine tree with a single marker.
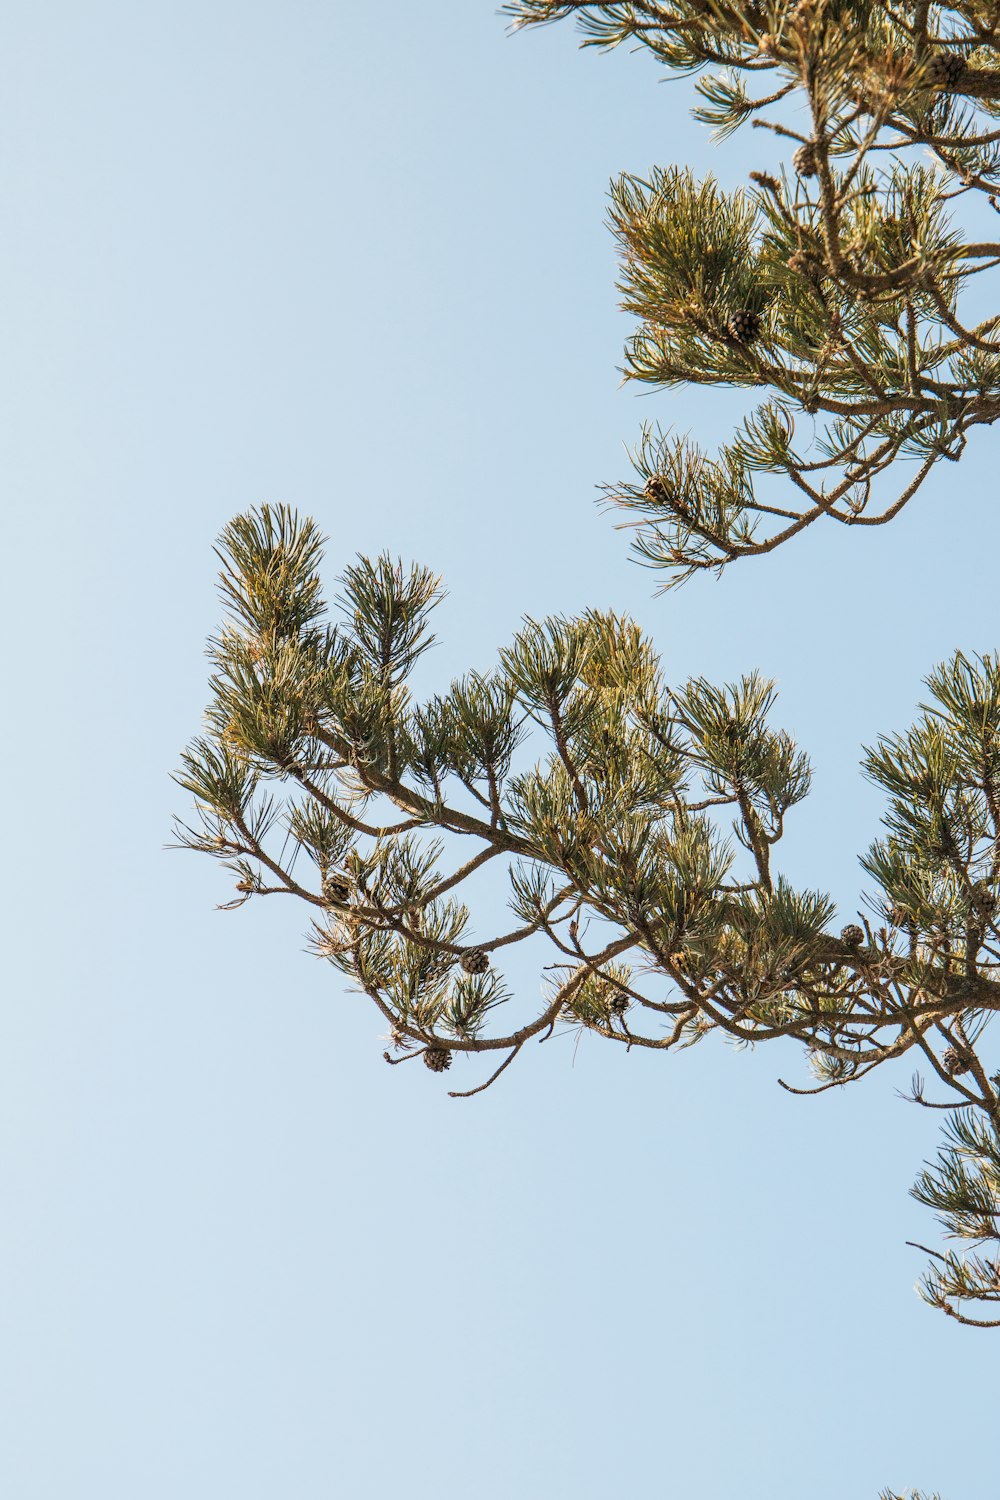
(638, 819)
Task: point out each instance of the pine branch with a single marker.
(620, 825)
(611, 818)
(836, 286)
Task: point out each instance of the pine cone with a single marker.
(336, 889)
(744, 326)
(475, 961)
(948, 69)
(852, 935)
(438, 1059)
(984, 898)
(804, 160)
(655, 489)
(954, 1062)
(619, 1005)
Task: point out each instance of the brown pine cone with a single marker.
(475, 961)
(948, 69)
(804, 160)
(744, 326)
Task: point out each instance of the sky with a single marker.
(353, 257)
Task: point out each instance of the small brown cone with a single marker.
(336, 889)
(955, 1062)
(804, 160)
(948, 69)
(744, 326)
(475, 961)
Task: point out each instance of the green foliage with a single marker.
(638, 820)
(388, 608)
(940, 864)
(835, 284)
(689, 262)
(269, 579)
(963, 1187)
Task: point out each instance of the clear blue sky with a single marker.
(352, 257)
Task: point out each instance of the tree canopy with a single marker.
(639, 820)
